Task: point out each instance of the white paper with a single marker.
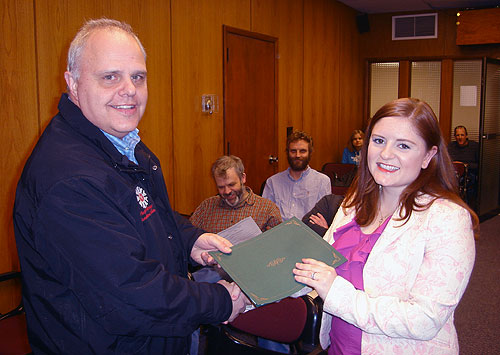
(241, 231)
(468, 95)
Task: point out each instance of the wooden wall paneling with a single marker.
(436, 46)
(446, 105)
(478, 26)
(452, 49)
(351, 79)
(57, 23)
(367, 94)
(284, 19)
(151, 21)
(55, 27)
(448, 31)
(378, 42)
(404, 78)
(321, 78)
(19, 125)
(196, 70)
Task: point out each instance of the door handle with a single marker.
(273, 159)
(488, 136)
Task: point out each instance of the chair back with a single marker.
(283, 321)
(295, 321)
(461, 170)
(13, 330)
(341, 176)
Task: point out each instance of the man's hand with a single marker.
(207, 242)
(240, 301)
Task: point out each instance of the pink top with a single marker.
(355, 245)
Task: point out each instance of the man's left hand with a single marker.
(207, 242)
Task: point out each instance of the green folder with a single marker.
(262, 266)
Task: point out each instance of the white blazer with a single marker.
(414, 278)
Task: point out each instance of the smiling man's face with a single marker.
(112, 88)
(461, 136)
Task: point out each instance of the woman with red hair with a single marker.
(408, 239)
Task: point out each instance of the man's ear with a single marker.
(243, 178)
(72, 86)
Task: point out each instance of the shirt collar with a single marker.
(127, 144)
(304, 173)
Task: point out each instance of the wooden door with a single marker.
(250, 102)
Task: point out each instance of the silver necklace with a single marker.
(382, 218)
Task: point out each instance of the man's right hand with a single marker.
(240, 301)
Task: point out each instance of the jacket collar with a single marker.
(72, 114)
(396, 228)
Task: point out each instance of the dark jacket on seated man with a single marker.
(468, 154)
(327, 206)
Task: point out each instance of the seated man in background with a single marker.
(297, 189)
(463, 149)
(234, 202)
(466, 151)
(321, 216)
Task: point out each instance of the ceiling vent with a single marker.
(414, 26)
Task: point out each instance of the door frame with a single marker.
(484, 136)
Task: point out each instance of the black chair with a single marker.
(13, 333)
(261, 191)
(341, 176)
(294, 321)
(461, 172)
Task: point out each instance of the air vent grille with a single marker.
(414, 26)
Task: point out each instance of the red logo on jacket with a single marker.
(142, 199)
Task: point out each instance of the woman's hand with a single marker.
(319, 220)
(315, 274)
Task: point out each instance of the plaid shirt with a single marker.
(214, 214)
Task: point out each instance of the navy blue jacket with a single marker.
(104, 257)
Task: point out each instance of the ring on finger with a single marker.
(312, 275)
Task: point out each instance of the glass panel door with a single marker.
(489, 176)
(466, 112)
(466, 97)
(384, 84)
(426, 83)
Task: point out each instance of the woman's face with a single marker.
(396, 153)
(357, 141)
